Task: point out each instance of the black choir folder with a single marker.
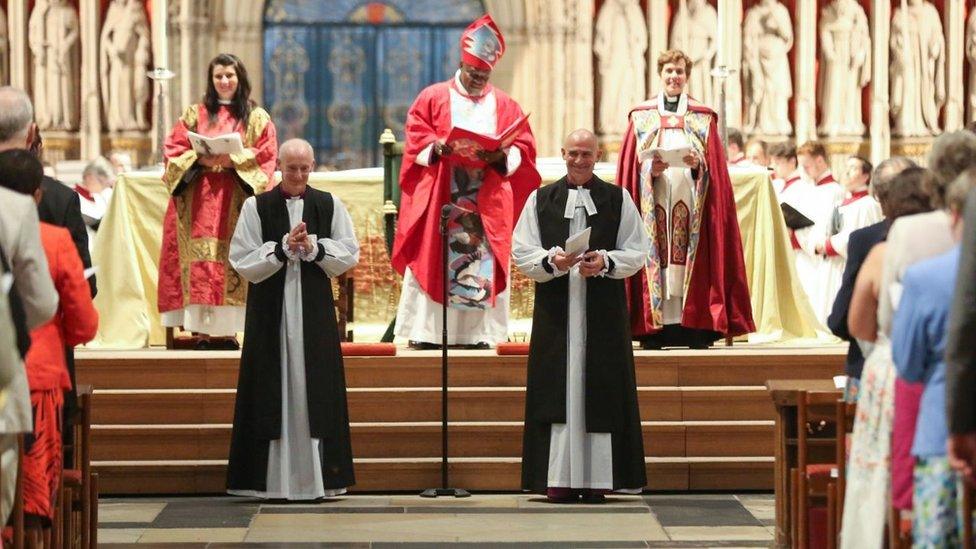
(794, 219)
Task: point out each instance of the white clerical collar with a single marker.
(461, 88)
(575, 195)
(682, 104)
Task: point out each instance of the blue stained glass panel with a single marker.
(339, 84)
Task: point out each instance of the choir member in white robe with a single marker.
(290, 437)
(582, 425)
(856, 211)
(817, 203)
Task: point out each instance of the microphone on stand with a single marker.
(446, 211)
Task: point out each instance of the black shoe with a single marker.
(423, 346)
(593, 498)
(481, 346)
(652, 344)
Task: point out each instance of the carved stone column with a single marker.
(805, 94)
(657, 40)
(90, 18)
(880, 107)
(19, 52)
(733, 60)
(954, 22)
(241, 33)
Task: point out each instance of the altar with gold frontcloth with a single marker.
(128, 245)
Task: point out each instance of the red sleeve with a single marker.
(829, 250)
(628, 172)
(420, 130)
(526, 178)
(79, 319)
(177, 142)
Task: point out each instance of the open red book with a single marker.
(466, 143)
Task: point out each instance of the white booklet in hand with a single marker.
(672, 155)
(229, 143)
(578, 243)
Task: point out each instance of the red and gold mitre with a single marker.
(482, 44)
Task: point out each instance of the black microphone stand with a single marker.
(444, 490)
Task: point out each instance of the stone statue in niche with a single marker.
(620, 43)
(124, 60)
(918, 71)
(694, 32)
(845, 65)
(53, 39)
(971, 57)
(4, 50)
(767, 83)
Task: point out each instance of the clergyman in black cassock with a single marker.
(290, 437)
(582, 425)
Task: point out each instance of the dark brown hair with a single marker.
(909, 193)
(241, 103)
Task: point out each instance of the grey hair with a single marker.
(296, 145)
(958, 190)
(99, 168)
(885, 171)
(952, 153)
(16, 113)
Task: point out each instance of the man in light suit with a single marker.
(961, 354)
(20, 248)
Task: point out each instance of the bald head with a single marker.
(296, 160)
(16, 117)
(298, 147)
(581, 136)
(580, 151)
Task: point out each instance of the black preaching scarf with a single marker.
(257, 412)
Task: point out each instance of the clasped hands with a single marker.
(216, 160)
(658, 165)
(299, 242)
(590, 263)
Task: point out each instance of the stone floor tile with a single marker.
(119, 535)
(218, 513)
(477, 500)
(681, 511)
(350, 528)
(613, 500)
(191, 535)
(541, 527)
(128, 512)
(718, 533)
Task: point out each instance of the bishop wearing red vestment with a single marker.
(694, 288)
(198, 289)
(486, 200)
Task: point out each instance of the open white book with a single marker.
(672, 155)
(229, 143)
(578, 243)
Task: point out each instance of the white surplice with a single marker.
(418, 316)
(819, 203)
(294, 464)
(849, 216)
(578, 459)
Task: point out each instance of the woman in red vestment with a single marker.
(198, 289)
(47, 372)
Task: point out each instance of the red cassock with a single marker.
(425, 189)
(75, 322)
(717, 295)
(203, 208)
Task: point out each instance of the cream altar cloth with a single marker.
(127, 256)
